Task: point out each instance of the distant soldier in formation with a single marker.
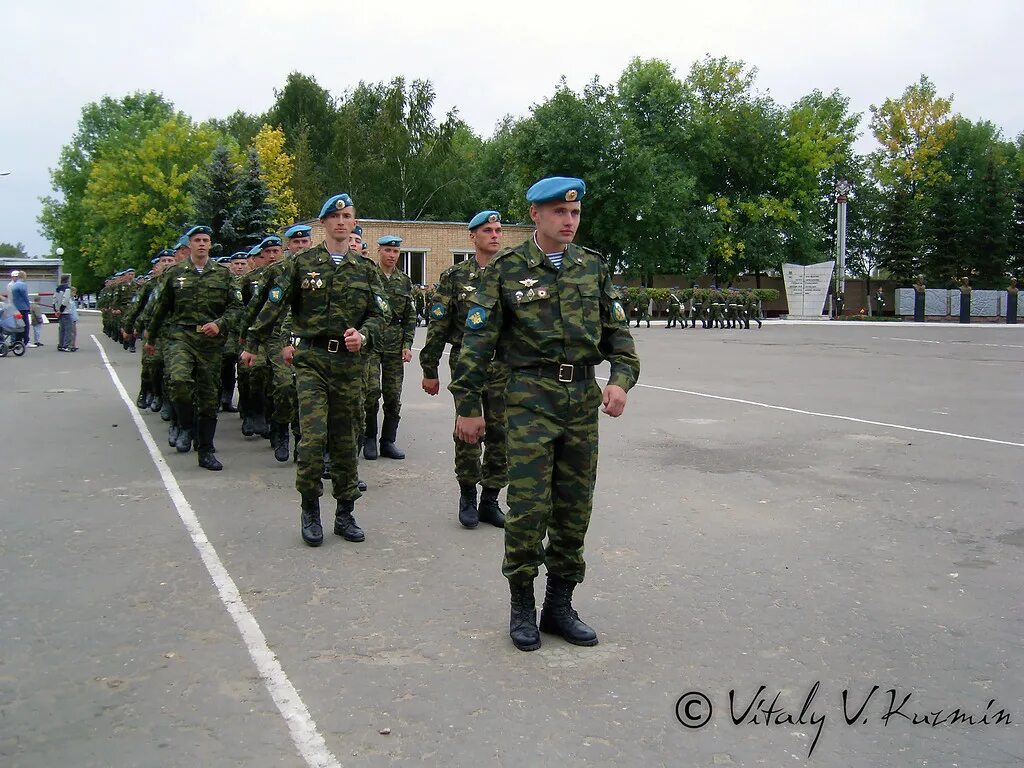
(452, 300)
(675, 309)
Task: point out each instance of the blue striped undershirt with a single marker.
(556, 258)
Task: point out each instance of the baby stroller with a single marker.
(12, 329)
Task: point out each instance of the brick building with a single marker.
(428, 247)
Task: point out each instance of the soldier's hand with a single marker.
(614, 400)
(288, 354)
(406, 355)
(353, 340)
(469, 429)
(431, 386)
(149, 349)
(247, 359)
(124, 335)
(211, 329)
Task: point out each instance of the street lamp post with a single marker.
(843, 189)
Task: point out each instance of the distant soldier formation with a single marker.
(711, 307)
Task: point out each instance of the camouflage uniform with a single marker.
(325, 299)
(133, 326)
(385, 370)
(189, 299)
(258, 376)
(549, 325)
(675, 310)
(451, 302)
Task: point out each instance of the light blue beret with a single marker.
(484, 217)
(358, 230)
(391, 241)
(336, 203)
(557, 188)
(298, 230)
(270, 240)
(255, 250)
(238, 256)
(199, 229)
(182, 243)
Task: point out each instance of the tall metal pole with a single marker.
(843, 189)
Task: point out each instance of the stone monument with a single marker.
(919, 294)
(965, 300)
(1011, 302)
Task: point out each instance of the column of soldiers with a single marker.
(713, 308)
(316, 338)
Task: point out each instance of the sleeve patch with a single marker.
(620, 313)
(476, 319)
(382, 303)
(276, 294)
(238, 294)
(437, 311)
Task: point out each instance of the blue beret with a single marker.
(298, 230)
(357, 230)
(365, 246)
(255, 250)
(238, 256)
(182, 243)
(270, 240)
(200, 229)
(484, 217)
(336, 203)
(557, 188)
(155, 259)
(392, 241)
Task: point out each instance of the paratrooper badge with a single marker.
(519, 297)
(181, 281)
(528, 282)
(276, 294)
(619, 312)
(571, 195)
(437, 311)
(476, 319)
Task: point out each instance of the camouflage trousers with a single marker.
(192, 361)
(152, 369)
(286, 403)
(492, 472)
(327, 385)
(552, 469)
(385, 372)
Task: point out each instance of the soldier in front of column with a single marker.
(448, 309)
(338, 308)
(197, 308)
(386, 366)
(548, 309)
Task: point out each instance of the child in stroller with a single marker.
(12, 329)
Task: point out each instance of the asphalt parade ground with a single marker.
(815, 509)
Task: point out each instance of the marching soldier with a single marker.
(548, 309)
(452, 300)
(196, 309)
(385, 368)
(338, 308)
(149, 395)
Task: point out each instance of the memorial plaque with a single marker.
(984, 303)
(936, 301)
(807, 288)
(954, 303)
(904, 301)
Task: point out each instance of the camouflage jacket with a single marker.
(401, 326)
(190, 299)
(324, 299)
(142, 298)
(447, 313)
(533, 314)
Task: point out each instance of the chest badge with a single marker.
(181, 281)
(519, 296)
(528, 282)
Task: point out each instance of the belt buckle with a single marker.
(333, 345)
(562, 373)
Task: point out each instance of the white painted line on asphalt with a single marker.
(916, 341)
(958, 342)
(304, 732)
(837, 416)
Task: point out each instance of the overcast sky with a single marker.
(487, 59)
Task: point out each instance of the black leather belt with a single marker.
(566, 373)
(322, 342)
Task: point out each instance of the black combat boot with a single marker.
(281, 448)
(166, 409)
(490, 512)
(225, 402)
(247, 430)
(312, 531)
(557, 617)
(388, 435)
(468, 514)
(360, 486)
(206, 429)
(142, 401)
(172, 434)
(295, 449)
(345, 524)
(522, 624)
(185, 426)
(155, 403)
(370, 437)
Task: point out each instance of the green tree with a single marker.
(13, 251)
(276, 167)
(106, 125)
(1015, 235)
(254, 215)
(215, 197)
(138, 194)
(307, 187)
(240, 126)
(304, 103)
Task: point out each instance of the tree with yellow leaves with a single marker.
(276, 169)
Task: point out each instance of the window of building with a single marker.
(460, 256)
(414, 264)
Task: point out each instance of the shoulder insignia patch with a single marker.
(620, 313)
(437, 311)
(382, 303)
(275, 295)
(476, 319)
(238, 294)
